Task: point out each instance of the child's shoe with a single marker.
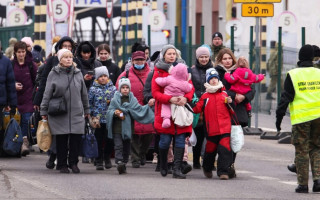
(166, 123)
(155, 158)
(121, 167)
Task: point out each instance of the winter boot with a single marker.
(25, 146)
(50, 163)
(208, 164)
(107, 163)
(158, 163)
(178, 156)
(163, 161)
(170, 166)
(121, 167)
(185, 167)
(99, 164)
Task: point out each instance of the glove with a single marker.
(278, 123)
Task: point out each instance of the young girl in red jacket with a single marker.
(214, 104)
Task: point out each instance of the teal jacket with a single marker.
(131, 109)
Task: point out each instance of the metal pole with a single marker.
(111, 35)
(149, 38)
(124, 48)
(176, 33)
(250, 60)
(190, 47)
(257, 71)
(303, 35)
(232, 39)
(279, 64)
(135, 31)
(202, 35)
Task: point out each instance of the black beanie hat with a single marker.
(85, 48)
(306, 53)
(217, 34)
(316, 50)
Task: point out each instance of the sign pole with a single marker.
(71, 18)
(111, 34)
(109, 9)
(257, 70)
(53, 31)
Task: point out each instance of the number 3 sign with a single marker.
(60, 10)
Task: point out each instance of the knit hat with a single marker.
(27, 40)
(61, 52)
(55, 39)
(166, 47)
(208, 47)
(36, 54)
(210, 73)
(99, 71)
(124, 81)
(138, 55)
(306, 53)
(316, 51)
(202, 51)
(217, 34)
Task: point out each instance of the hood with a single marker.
(246, 76)
(93, 50)
(58, 70)
(63, 39)
(96, 84)
(180, 72)
(161, 64)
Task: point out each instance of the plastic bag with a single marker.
(193, 139)
(236, 138)
(44, 137)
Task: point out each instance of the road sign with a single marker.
(60, 10)
(16, 17)
(238, 27)
(157, 20)
(257, 10)
(109, 8)
(288, 21)
(257, 1)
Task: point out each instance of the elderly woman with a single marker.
(225, 62)
(169, 59)
(198, 71)
(66, 80)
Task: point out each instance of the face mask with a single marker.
(138, 66)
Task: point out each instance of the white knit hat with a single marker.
(99, 71)
(61, 52)
(124, 81)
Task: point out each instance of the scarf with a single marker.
(213, 88)
(161, 64)
(87, 63)
(228, 70)
(131, 109)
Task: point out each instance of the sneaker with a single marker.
(224, 177)
(50, 164)
(25, 147)
(155, 158)
(121, 167)
(75, 169)
(99, 166)
(135, 165)
(232, 172)
(64, 170)
(207, 174)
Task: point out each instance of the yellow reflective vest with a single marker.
(306, 103)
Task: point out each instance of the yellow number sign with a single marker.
(257, 10)
(257, 1)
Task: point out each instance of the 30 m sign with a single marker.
(257, 10)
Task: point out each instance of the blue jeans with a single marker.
(24, 123)
(165, 140)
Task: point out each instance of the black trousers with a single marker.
(68, 149)
(199, 131)
(105, 144)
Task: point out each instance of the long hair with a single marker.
(222, 52)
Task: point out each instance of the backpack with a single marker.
(13, 138)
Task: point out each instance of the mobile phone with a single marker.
(90, 72)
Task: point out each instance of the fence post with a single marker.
(250, 60)
(279, 64)
(202, 35)
(149, 38)
(190, 47)
(176, 33)
(124, 46)
(135, 32)
(303, 35)
(232, 39)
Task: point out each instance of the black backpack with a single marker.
(12, 138)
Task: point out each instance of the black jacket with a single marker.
(198, 77)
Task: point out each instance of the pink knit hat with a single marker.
(202, 51)
(27, 40)
(61, 52)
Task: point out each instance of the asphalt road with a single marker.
(261, 174)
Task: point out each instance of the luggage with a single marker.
(33, 126)
(12, 138)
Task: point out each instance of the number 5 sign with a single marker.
(287, 20)
(157, 20)
(60, 9)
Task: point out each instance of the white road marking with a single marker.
(289, 182)
(266, 178)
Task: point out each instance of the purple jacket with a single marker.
(23, 76)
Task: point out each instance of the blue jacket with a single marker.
(8, 94)
(99, 99)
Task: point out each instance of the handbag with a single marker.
(181, 115)
(236, 136)
(58, 105)
(89, 143)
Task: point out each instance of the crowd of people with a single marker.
(139, 104)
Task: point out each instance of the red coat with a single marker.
(137, 90)
(216, 112)
(160, 97)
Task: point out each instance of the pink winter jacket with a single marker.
(176, 84)
(137, 90)
(242, 79)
